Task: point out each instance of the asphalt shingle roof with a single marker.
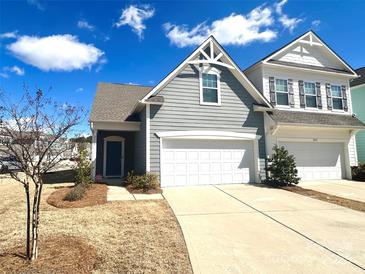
(116, 102)
(310, 118)
(360, 80)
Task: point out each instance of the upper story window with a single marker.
(210, 88)
(310, 95)
(336, 97)
(281, 89)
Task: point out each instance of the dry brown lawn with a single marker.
(129, 237)
(352, 204)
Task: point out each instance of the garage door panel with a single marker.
(317, 161)
(201, 162)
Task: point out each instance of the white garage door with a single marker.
(201, 162)
(316, 161)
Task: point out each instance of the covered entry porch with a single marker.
(116, 152)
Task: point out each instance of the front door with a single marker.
(114, 159)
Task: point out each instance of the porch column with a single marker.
(93, 153)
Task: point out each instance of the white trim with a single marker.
(300, 40)
(125, 126)
(94, 141)
(228, 135)
(236, 70)
(282, 92)
(213, 71)
(161, 161)
(309, 69)
(175, 71)
(257, 160)
(319, 125)
(148, 114)
(114, 139)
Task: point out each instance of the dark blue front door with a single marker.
(113, 158)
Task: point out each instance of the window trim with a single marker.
(214, 71)
(313, 95)
(337, 97)
(276, 92)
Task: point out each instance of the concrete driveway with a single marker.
(251, 229)
(343, 188)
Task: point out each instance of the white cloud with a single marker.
(235, 29)
(83, 24)
(289, 23)
(316, 24)
(79, 89)
(9, 35)
(4, 75)
(134, 17)
(14, 69)
(36, 3)
(279, 6)
(55, 52)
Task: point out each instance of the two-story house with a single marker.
(208, 122)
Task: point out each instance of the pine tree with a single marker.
(282, 168)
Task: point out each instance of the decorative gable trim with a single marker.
(301, 40)
(210, 52)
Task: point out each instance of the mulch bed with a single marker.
(133, 190)
(62, 254)
(352, 204)
(95, 195)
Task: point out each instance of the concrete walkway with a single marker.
(353, 190)
(119, 193)
(250, 229)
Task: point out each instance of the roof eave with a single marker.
(320, 125)
(310, 69)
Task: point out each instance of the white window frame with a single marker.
(336, 97)
(313, 95)
(287, 92)
(214, 71)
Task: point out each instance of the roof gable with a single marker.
(309, 52)
(211, 52)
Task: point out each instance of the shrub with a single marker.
(83, 169)
(76, 193)
(145, 182)
(282, 168)
(358, 172)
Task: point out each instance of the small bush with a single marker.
(76, 193)
(83, 169)
(282, 168)
(358, 172)
(145, 182)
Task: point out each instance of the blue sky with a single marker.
(72, 45)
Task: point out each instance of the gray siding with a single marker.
(182, 111)
(140, 145)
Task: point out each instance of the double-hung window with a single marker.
(310, 95)
(281, 89)
(336, 97)
(210, 94)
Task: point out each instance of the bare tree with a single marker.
(33, 131)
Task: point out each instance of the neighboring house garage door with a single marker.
(201, 162)
(316, 161)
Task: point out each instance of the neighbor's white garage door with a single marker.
(316, 161)
(200, 162)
